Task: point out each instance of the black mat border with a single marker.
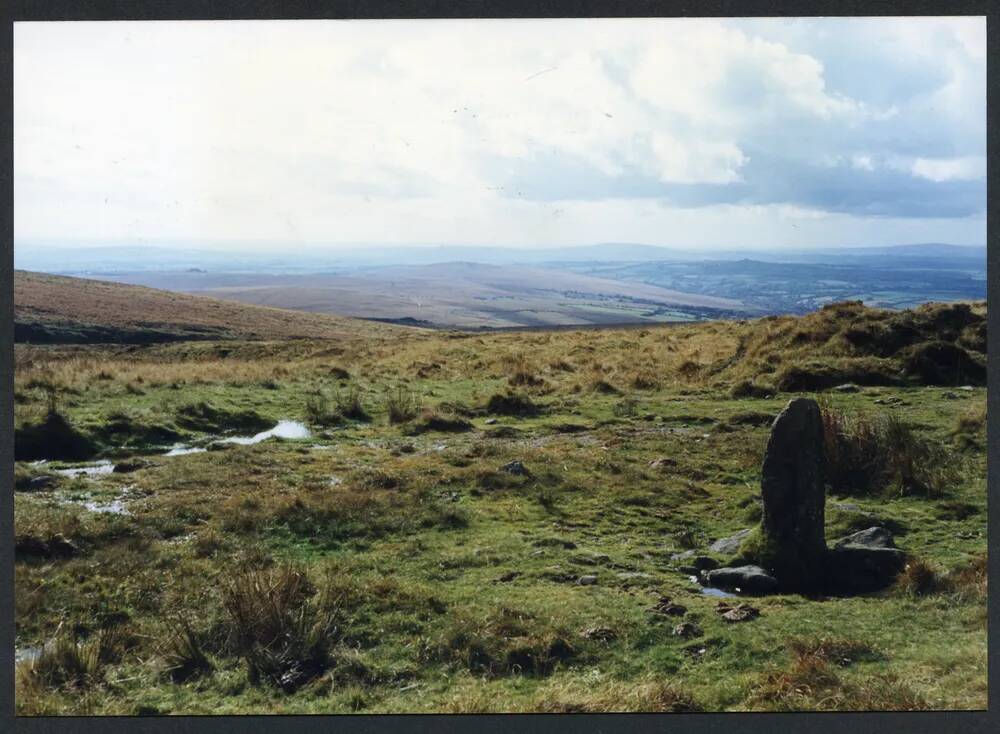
(787, 723)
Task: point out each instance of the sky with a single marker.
(774, 133)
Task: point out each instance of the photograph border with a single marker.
(858, 723)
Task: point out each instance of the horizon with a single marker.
(502, 134)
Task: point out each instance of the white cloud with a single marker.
(950, 169)
(391, 130)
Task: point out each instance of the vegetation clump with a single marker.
(512, 404)
(207, 418)
(52, 438)
(275, 625)
(401, 405)
(869, 454)
(431, 420)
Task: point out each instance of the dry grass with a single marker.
(869, 454)
(574, 697)
(275, 626)
(810, 683)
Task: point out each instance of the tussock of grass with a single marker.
(52, 438)
(275, 625)
(432, 420)
(401, 405)
(184, 656)
(512, 404)
(870, 454)
(205, 417)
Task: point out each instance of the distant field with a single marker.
(464, 295)
(886, 281)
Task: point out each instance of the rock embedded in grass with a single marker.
(587, 580)
(517, 468)
(739, 613)
(687, 630)
(873, 537)
(731, 545)
(752, 579)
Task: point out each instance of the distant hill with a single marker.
(455, 295)
(296, 257)
(59, 309)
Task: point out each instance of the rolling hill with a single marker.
(60, 309)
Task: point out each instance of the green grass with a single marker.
(437, 580)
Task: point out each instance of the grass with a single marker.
(395, 565)
(871, 454)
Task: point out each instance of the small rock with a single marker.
(874, 537)
(949, 395)
(731, 545)
(588, 580)
(509, 576)
(682, 556)
(739, 613)
(603, 634)
(662, 463)
(687, 630)
(490, 421)
(665, 605)
(847, 387)
(744, 578)
(967, 388)
(516, 468)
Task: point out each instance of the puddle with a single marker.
(712, 591)
(114, 507)
(180, 450)
(284, 429)
(96, 469)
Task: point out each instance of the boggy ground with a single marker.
(381, 566)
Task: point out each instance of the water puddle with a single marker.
(181, 450)
(98, 468)
(114, 507)
(712, 591)
(284, 429)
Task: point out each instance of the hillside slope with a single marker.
(60, 309)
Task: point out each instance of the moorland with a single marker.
(236, 509)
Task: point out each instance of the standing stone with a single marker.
(793, 548)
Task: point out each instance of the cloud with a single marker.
(340, 131)
(971, 168)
